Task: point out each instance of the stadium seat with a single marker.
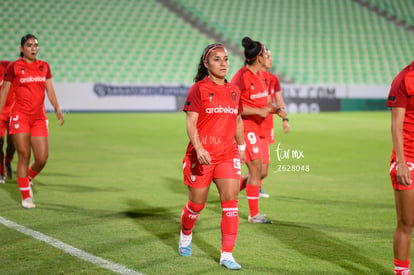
(312, 41)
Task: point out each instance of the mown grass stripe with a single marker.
(98, 261)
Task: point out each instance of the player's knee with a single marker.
(24, 156)
(41, 161)
(406, 226)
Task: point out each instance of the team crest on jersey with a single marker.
(16, 126)
(42, 68)
(22, 70)
(255, 149)
(234, 96)
(252, 86)
(210, 96)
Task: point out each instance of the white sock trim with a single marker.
(227, 256)
(185, 240)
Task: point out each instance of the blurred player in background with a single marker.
(401, 101)
(272, 85)
(28, 124)
(215, 151)
(5, 166)
(256, 108)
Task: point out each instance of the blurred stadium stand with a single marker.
(160, 41)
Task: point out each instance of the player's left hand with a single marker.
(281, 113)
(286, 126)
(60, 117)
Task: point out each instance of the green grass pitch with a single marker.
(113, 187)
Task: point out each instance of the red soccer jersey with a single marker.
(272, 85)
(28, 80)
(402, 95)
(218, 107)
(254, 94)
(10, 97)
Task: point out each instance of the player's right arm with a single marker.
(263, 112)
(397, 122)
(51, 94)
(202, 155)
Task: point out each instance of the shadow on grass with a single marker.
(12, 188)
(176, 185)
(316, 244)
(164, 223)
(339, 203)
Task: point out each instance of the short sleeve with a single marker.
(398, 95)
(277, 85)
(240, 108)
(49, 72)
(193, 101)
(9, 74)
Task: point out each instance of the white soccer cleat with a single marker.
(259, 218)
(28, 203)
(229, 262)
(2, 180)
(262, 194)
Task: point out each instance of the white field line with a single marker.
(98, 261)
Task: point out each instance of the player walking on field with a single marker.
(215, 151)
(401, 101)
(28, 124)
(255, 109)
(5, 166)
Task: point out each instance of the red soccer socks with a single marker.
(32, 174)
(24, 187)
(401, 267)
(252, 193)
(189, 216)
(229, 225)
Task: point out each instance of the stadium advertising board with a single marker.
(89, 97)
(323, 98)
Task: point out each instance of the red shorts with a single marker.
(4, 126)
(393, 173)
(270, 135)
(199, 176)
(37, 127)
(256, 147)
(265, 150)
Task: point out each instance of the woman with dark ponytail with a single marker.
(215, 151)
(30, 79)
(256, 108)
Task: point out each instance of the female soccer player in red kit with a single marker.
(255, 109)
(4, 128)
(28, 124)
(401, 101)
(272, 85)
(215, 151)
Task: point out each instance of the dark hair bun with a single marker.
(251, 48)
(247, 42)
